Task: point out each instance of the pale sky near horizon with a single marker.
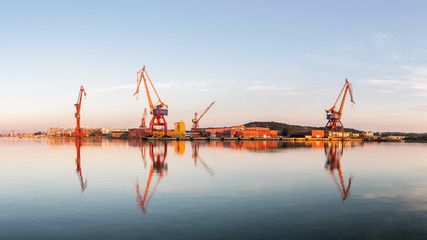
(283, 61)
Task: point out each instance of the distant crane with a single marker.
(160, 110)
(78, 132)
(143, 120)
(334, 124)
(195, 128)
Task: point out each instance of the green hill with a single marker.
(286, 129)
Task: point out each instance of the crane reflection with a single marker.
(158, 153)
(196, 157)
(83, 183)
(334, 151)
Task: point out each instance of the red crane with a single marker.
(78, 132)
(196, 119)
(143, 121)
(334, 124)
(160, 110)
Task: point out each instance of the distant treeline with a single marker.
(417, 138)
(286, 129)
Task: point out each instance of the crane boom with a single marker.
(346, 88)
(141, 76)
(207, 109)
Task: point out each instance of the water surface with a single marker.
(111, 189)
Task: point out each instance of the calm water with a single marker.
(102, 189)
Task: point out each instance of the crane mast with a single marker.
(196, 119)
(158, 110)
(334, 125)
(78, 132)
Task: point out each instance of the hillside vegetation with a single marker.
(286, 129)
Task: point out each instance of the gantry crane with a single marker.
(334, 124)
(78, 132)
(158, 165)
(333, 152)
(195, 128)
(160, 110)
(83, 183)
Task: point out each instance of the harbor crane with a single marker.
(195, 120)
(334, 125)
(333, 152)
(78, 132)
(143, 120)
(159, 110)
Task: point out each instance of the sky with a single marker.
(283, 61)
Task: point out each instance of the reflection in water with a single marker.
(196, 157)
(83, 183)
(274, 194)
(180, 148)
(334, 151)
(158, 153)
(245, 145)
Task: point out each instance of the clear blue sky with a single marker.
(282, 61)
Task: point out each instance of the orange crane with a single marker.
(333, 156)
(143, 121)
(160, 110)
(83, 184)
(78, 132)
(160, 166)
(195, 128)
(334, 124)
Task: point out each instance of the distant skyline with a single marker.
(283, 61)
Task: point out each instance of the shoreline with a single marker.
(234, 139)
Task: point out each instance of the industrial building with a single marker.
(179, 131)
(242, 131)
(308, 134)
